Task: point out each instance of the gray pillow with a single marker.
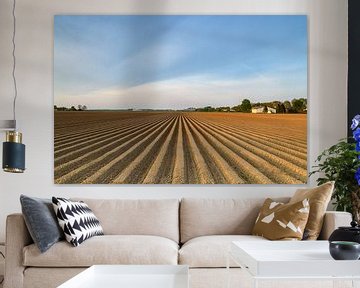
(41, 221)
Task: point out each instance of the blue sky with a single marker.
(118, 62)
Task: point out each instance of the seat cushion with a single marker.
(211, 251)
(108, 249)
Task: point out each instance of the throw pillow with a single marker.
(319, 198)
(279, 221)
(77, 220)
(41, 222)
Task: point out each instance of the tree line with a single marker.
(293, 106)
(72, 108)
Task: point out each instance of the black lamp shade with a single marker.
(13, 157)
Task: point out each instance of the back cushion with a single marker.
(159, 217)
(200, 217)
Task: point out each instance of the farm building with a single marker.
(258, 109)
(271, 110)
(261, 109)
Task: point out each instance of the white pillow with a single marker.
(76, 220)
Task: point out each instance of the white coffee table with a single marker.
(131, 276)
(292, 260)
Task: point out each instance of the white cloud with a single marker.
(184, 92)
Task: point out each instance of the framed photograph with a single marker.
(180, 99)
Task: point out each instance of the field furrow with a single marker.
(85, 131)
(139, 163)
(158, 147)
(290, 136)
(229, 174)
(88, 164)
(100, 139)
(202, 172)
(271, 149)
(265, 166)
(299, 149)
(105, 144)
(290, 168)
(179, 172)
(282, 146)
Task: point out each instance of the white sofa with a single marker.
(194, 232)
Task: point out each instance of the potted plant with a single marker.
(341, 163)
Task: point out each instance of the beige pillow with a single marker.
(319, 198)
(279, 221)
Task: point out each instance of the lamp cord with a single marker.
(14, 60)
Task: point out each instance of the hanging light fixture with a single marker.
(13, 149)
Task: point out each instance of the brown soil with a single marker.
(179, 148)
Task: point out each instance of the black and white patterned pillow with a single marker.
(77, 220)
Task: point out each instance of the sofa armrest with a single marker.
(17, 237)
(333, 220)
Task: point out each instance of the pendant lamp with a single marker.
(13, 149)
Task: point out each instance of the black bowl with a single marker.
(343, 250)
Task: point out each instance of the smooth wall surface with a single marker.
(327, 90)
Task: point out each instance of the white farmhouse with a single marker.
(261, 109)
(258, 109)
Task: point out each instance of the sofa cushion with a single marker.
(108, 249)
(158, 217)
(319, 198)
(41, 221)
(279, 221)
(76, 220)
(201, 217)
(211, 251)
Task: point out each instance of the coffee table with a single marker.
(292, 260)
(131, 276)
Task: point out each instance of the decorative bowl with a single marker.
(344, 250)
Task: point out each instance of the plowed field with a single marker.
(179, 148)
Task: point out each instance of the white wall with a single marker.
(327, 89)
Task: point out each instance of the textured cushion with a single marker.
(41, 221)
(77, 220)
(278, 221)
(319, 198)
(159, 217)
(107, 249)
(201, 217)
(211, 251)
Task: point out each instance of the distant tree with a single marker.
(288, 107)
(304, 101)
(237, 108)
(280, 108)
(72, 108)
(245, 106)
(84, 108)
(265, 109)
(298, 105)
(206, 109)
(55, 107)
